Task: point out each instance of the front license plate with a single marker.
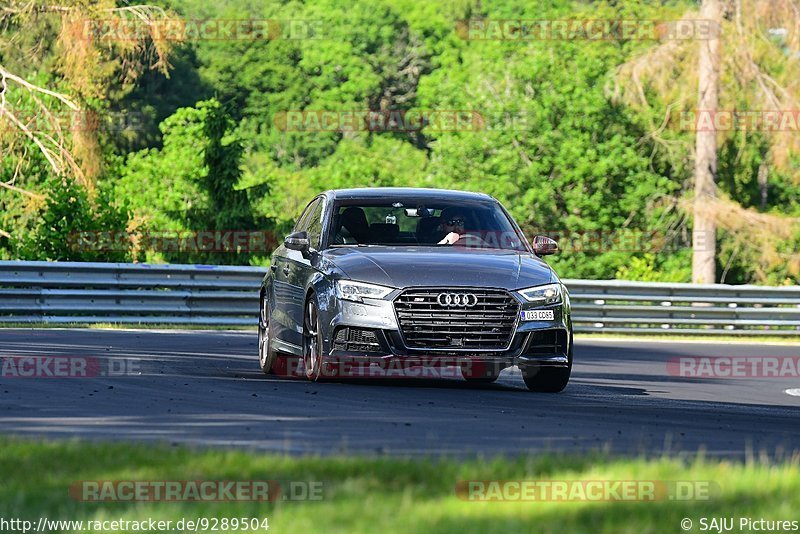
(537, 315)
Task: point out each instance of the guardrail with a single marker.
(616, 306)
(65, 292)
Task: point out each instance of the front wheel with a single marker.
(266, 354)
(547, 379)
(312, 341)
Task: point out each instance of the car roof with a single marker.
(405, 192)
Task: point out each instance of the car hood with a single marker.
(403, 267)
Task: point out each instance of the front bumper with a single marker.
(368, 332)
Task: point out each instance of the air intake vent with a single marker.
(356, 340)
(548, 342)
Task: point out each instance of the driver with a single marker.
(452, 226)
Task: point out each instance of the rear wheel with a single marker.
(312, 341)
(266, 354)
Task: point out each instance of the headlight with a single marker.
(542, 295)
(350, 290)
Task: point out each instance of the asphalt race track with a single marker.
(205, 388)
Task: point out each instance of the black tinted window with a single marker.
(302, 222)
(314, 224)
(412, 222)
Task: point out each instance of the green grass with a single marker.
(386, 494)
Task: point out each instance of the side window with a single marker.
(314, 225)
(302, 222)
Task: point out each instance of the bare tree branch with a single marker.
(82, 59)
(5, 75)
(20, 190)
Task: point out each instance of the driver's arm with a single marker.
(450, 239)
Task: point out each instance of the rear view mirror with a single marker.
(420, 211)
(544, 246)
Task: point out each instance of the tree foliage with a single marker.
(571, 136)
(190, 184)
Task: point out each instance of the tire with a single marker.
(312, 341)
(480, 373)
(266, 354)
(547, 379)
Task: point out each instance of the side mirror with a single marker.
(544, 246)
(297, 241)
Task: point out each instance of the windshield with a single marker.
(424, 223)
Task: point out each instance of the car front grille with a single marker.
(426, 323)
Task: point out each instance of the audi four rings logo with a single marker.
(462, 300)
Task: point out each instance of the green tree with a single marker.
(191, 184)
(71, 226)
